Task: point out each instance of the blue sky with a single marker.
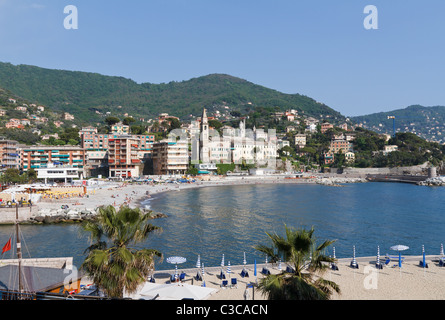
(316, 48)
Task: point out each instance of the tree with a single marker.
(118, 268)
(111, 120)
(128, 120)
(300, 250)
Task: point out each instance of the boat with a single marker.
(21, 281)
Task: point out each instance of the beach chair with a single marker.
(234, 283)
(265, 271)
(421, 264)
(289, 270)
(334, 267)
(182, 276)
(224, 284)
(379, 265)
(442, 262)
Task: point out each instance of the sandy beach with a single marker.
(411, 282)
(131, 194)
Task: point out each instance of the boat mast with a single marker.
(19, 250)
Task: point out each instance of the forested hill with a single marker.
(82, 93)
(426, 122)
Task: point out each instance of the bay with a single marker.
(231, 220)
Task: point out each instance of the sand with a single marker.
(411, 282)
(117, 194)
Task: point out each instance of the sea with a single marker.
(210, 222)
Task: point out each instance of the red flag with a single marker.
(7, 246)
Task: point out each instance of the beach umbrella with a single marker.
(175, 260)
(244, 259)
(378, 265)
(441, 249)
(222, 266)
(203, 282)
(228, 269)
(198, 266)
(254, 268)
(424, 261)
(279, 265)
(399, 248)
(354, 262)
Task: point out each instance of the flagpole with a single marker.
(19, 250)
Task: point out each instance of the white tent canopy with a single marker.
(163, 291)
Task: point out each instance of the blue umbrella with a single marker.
(254, 270)
(399, 248)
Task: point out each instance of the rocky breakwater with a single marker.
(436, 181)
(72, 215)
(338, 181)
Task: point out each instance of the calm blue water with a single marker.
(233, 219)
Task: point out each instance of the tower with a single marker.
(204, 138)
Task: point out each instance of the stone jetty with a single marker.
(338, 181)
(71, 215)
(436, 181)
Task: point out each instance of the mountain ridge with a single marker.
(79, 92)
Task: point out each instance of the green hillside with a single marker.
(82, 93)
(426, 122)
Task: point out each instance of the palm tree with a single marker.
(111, 263)
(300, 251)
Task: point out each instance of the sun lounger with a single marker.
(421, 264)
(334, 267)
(265, 271)
(224, 284)
(289, 269)
(234, 283)
(442, 262)
(394, 258)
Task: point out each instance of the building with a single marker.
(234, 146)
(96, 146)
(123, 161)
(349, 157)
(328, 158)
(120, 128)
(170, 157)
(68, 116)
(340, 145)
(300, 140)
(9, 154)
(325, 126)
(58, 173)
(41, 156)
(389, 148)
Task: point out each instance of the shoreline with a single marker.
(74, 210)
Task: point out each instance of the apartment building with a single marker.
(123, 160)
(9, 154)
(170, 157)
(41, 156)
